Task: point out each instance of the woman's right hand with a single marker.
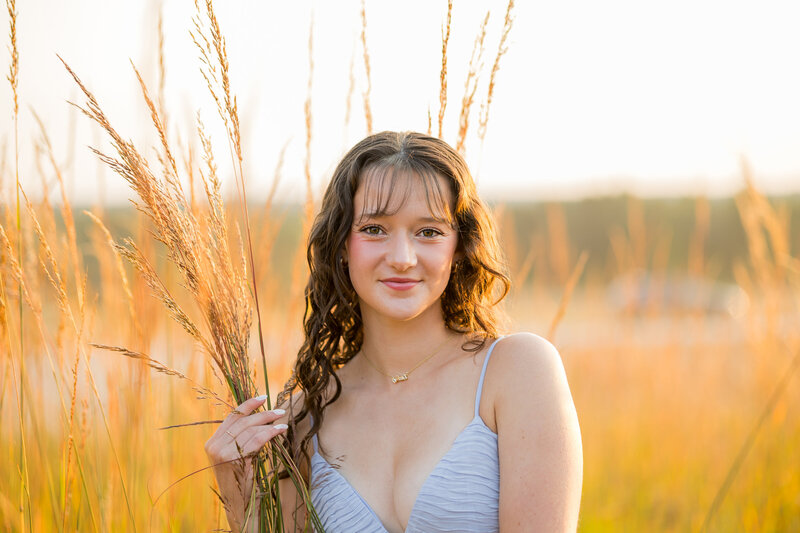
(241, 435)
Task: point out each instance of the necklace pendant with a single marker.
(400, 377)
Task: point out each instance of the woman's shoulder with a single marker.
(526, 368)
(524, 352)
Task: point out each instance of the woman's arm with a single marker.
(539, 440)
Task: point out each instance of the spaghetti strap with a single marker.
(483, 375)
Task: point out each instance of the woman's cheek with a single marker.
(358, 249)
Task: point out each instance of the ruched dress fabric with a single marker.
(460, 494)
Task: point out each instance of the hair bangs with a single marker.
(388, 184)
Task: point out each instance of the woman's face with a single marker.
(400, 263)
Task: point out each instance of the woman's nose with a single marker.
(401, 255)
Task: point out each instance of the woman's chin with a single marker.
(410, 314)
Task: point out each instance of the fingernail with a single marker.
(280, 426)
(279, 412)
(261, 398)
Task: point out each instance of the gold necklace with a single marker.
(403, 376)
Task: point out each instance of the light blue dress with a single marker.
(460, 494)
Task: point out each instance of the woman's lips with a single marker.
(400, 285)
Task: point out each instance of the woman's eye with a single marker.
(371, 230)
(430, 232)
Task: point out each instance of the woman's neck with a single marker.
(395, 347)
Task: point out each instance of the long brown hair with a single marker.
(332, 322)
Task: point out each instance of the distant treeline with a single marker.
(549, 236)
(670, 223)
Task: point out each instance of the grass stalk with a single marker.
(348, 100)
(162, 68)
(749, 441)
(229, 112)
(204, 392)
(309, 204)
(572, 282)
(121, 269)
(70, 436)
(443, 71)
(558, 242)
(696, 256)
(429, 131)
(367, 72)
(471, 85)
(18, 396)
(501, 50)
(66, 211)
(13, 78)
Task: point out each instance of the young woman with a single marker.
(409, 411)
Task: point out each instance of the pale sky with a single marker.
(591, 98)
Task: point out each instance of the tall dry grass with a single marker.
(201, 250)
(689, 416)
(367, 70)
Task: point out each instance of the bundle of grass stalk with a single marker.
(198, 244)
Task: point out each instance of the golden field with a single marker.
(667, 394)
(677, 328)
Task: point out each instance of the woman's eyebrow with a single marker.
(379, 214)
(366, 216)
(433, 220)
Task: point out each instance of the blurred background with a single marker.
(641, 162)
